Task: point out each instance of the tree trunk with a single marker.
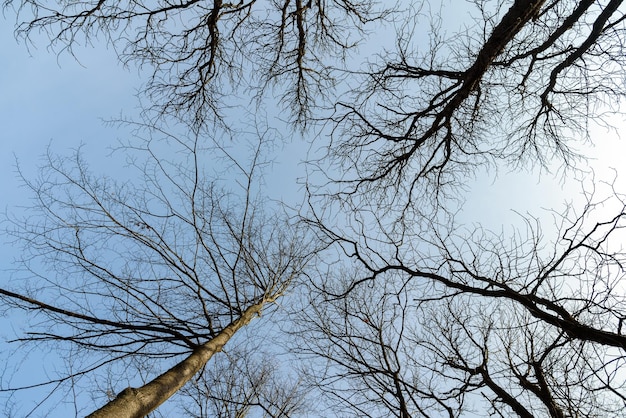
(138, 402)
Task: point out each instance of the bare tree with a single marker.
(452, 323)
(519, 84)
(201, 53)
(168, 268)
(415, 317)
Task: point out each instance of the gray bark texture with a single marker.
(138, 402)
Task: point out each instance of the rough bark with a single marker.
(138, 402)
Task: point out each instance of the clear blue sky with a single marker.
(45, 99)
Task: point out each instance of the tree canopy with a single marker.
(394, 307)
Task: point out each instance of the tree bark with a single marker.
(138, 402)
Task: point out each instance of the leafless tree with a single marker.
(200, 53)
(451, 323)
(167, 268)
(415, 317)
(520, 83)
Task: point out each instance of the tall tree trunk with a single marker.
(138, 402)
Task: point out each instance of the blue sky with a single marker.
(49, 99)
